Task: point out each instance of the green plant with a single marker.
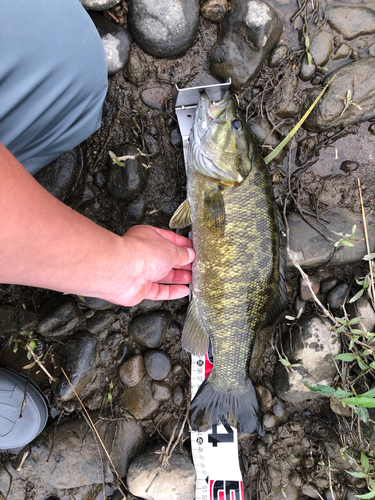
(109, 395)
(344, 242)
(348, 101)
(366, 470)
(307, 47)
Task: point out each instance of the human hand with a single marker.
(159, 266)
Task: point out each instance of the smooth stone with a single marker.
(336, 297)
(155, 97)
(79, 362)
(15, 320)
(161, 391)
(338, 408)
(247, 36)
(147, 305)
(132, 371)
(60, 176)
(215, 10)
(99, 179)
(341, 52)
(307, 70)
(311, 344)
(304, 289)
(149, 329)
(99, 4)
(357, 77)
(310, 248)
(136, 68)
(269, 421)
(310, 491)
(164, 28)
(264, 397)
(362, 308)
(59, 317)
(100, 321)
(371, 129)
(75, 460)
(138, 400)
(178, 396)
(279, 408)
(284, 101)
(177, 368)
(361, 44)
(348, 166)
(176, 482)
(158, 364)
(278, 56)
(94, 303)
(135, 213)
(327, 284)
(116, 42)
(128, 181)
(371, 50)
(351, 21)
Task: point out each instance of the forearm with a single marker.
(44, 243)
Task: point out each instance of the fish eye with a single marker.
(237, 124)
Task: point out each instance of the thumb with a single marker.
(184, 256)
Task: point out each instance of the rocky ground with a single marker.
(126, 363)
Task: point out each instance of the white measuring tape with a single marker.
(215, 451)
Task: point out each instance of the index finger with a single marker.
(177, 239)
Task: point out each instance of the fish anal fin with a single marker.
(194, 337)
(214, 209)
(181, 217)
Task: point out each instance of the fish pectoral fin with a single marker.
(181, 217)
(194, 337)
(214, 209)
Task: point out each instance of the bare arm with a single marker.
(46, 244)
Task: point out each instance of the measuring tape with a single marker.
(215, 451)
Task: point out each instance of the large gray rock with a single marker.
(313, 345)
(116, 42)
(351, 21)
(139, 400)
(79, 362)
(312, 247)
(149, 329)
(75, 458)
(247, 36)
(175, 482)
(164, 28)
(127, 181)
(357, 77)
(59, 317)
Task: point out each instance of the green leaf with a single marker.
(341, 394)
(347, 356)
(309, 59)
(371, 483)
(354, 228)
(373, 365)
(355, 321)
(362, 365)
(356, 474)
(337, 243)
(277, 150)
(343, 321)
(29, 355)
(32, 345)
(369, 256)
(115, 159)
(348, 95)
(366, 282)
(364, 461)
(356, 105)
(362, 414)
(364, 401)
(325, 390)
(307, 41)
(110, 397)
(325, 69)
(357, 296)
(15, 347)
(367, 495)
(285, 362)
(369, 394)
(347, 243)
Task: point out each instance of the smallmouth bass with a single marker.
(238, 271)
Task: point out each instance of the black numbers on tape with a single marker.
(224, 437)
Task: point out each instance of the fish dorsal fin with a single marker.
(181, 217)
(194, 337)
(214, 209)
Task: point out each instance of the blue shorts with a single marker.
(53, 78)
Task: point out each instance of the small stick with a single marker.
(94, 428)
(367, 242)
(40, 364)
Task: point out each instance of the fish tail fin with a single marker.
(239, 407)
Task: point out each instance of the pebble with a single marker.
(307, 461)
(155, 97)
(135, 213)
(99, 4)
(295, 479)
(179, 476)
(278, 56)
(269, 421)
(310, 491)
(362, 308)
(215, 10)
(158, 364)
(164, 28)
(15, 319)
(116, 42)
(348, 166)
(177, 368)
(371, 128)
(264, 397)
(132, 371)
(285, 100)
(178, 396)
(310, 248)
(136, 68)
(94, 303)
(327, 284)
(336, 297)
(279, 409)
(150, 329)
(351, 22)
(311, 344)
(128, 181)
(248, 34)
(371, 50)
(304, 289)
(138, 400)
(60, 176)
(161, 391)
(361, 44)
(341, 52)
(79, 362)
(176, 138)
(100, 321)
(59, 318)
